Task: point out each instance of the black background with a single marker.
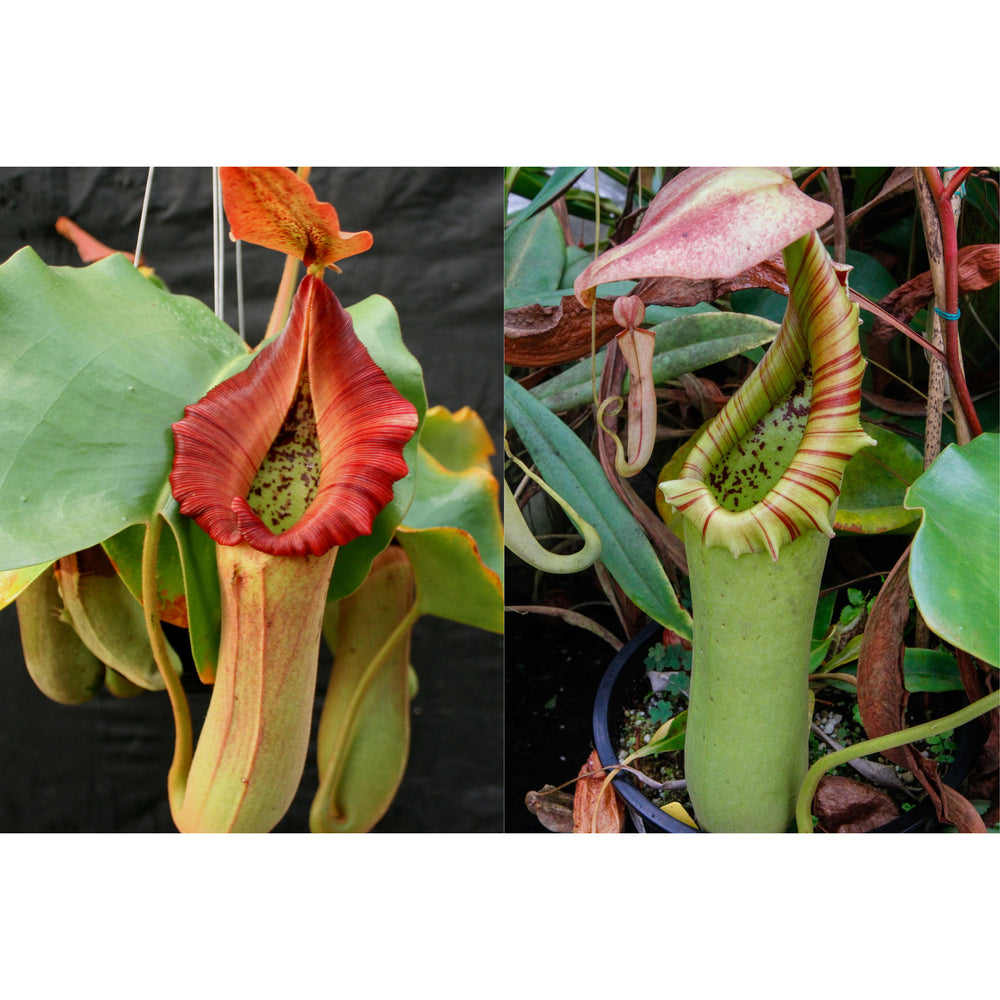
(438, 256)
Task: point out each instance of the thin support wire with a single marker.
(142, 217)
(217, 243)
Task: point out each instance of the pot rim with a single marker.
(649, 816)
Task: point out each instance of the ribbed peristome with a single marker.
(817, 343)
(312, 419)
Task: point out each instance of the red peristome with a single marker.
(362, 425)
(273, 208)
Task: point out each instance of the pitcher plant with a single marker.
(754, 495)
(283, 474)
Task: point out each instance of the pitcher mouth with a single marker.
(298, 453)
(817, 344)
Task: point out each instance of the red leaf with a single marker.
(273, 208)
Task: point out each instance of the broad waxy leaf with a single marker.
(930, 670)
(466, 500)
(457, 440)
(452, 531)
(452, 581)
(956, 551)
(575, 474)
(95, 365)
(534, 258)
(125, 552)
(875, 480)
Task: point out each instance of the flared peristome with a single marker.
(808, 386)
(299, 452)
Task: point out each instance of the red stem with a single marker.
(815, 173)
(956, 180)
(949, 245)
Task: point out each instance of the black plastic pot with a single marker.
(624, 681)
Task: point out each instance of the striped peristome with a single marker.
(817, 344)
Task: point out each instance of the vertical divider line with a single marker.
(239, 289)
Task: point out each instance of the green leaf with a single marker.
(454, 538)
(875, 481)
(572, 471)
(13, 581)
(452, 581)
(956, 551)
(683, 344)
(759, 302)
(562, 179)
(534, 257)
(824, 616)
(576, 260)
(930, 670)
(847, 655)
(467, 500)
(96, 363)
(672, 740)
(458, 441)
(817, 652)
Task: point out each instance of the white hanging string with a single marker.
(218, 245)
(142, 217)
(217, 241)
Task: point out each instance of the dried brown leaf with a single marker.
(882, 697)
(596, 807)
(978, 267)
(984, 782)
(548, 335)
(843, 805)
(768, 273)
(553, 808)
